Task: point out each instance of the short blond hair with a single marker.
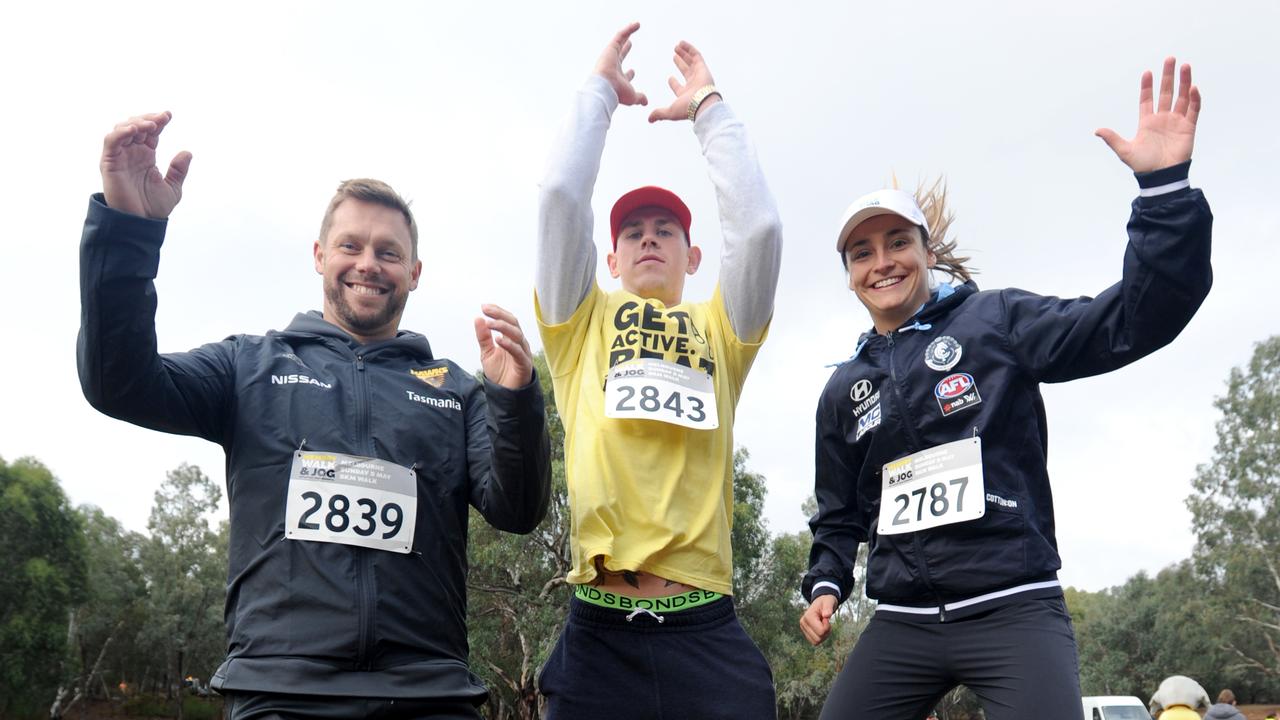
(370, 191)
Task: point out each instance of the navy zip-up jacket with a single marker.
(319, 617)
(1008, 342)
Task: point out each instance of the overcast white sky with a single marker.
(456, 104)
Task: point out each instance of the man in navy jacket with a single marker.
(352, 451)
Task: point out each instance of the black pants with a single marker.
(1019, 659)
(696, 663)
(279, 706)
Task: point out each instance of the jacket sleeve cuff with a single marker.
(1158, 183)
(518, 401)
(815, 585)
(119, 244)
(824, 587)
(98, 207)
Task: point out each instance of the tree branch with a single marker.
(1255, 621)
(1266, 605)
(502, 676)
(550, 585)
(492, 589)
(1266, 557)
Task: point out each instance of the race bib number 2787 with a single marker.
(351, 500)
(938, 486)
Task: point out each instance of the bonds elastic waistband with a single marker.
(670, 603)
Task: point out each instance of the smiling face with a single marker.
(888, 269)
(366, 258)
(652, 256)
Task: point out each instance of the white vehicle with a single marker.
(1114, 707)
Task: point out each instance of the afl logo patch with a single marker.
(953, 385)
(860, 390)
(943, 353)
(956, 392)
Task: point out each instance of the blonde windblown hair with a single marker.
(932, 199)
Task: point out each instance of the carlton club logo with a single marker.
(943, 353)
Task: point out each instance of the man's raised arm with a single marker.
(121, 371)
(749, 221)
(566, 252)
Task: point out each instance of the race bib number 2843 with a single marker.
(351, 500)
(650, 389)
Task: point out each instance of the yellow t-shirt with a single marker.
(1179, 712)
(647, 495)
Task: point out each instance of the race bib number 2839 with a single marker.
(651, 389)
(351, 500)
(938, 486)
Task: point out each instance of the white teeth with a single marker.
(365, 290)
(886, 283)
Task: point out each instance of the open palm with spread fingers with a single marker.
(609, 66)
(1166, 126)
(131, 181)
(505, 356)
(696, 76)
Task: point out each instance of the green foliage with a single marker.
(193, 708)
(103, 628)
(802, 674)
(44, 577)
(517, 597)
(1133, 636)
(147, 706)
(1216, 617)
(1236, 517)
(184, 567)
(749, 536)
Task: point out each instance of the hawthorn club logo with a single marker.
(431, 376)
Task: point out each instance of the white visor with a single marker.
(880, 202)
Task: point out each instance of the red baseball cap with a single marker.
(648, 196)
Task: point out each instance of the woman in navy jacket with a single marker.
(931, 440)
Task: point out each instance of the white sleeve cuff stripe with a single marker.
(1163, 189)
(822, 584)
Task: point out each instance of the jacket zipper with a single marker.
(364, 565)
(910, 427)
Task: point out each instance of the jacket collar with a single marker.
(312, 325)
(942, 301)
(944, 298)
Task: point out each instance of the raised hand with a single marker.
(131, 181)
(1166, 134)
(815, 623)
(696, 75)
(609, 66)
(504, 353)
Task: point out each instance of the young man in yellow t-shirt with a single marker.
(647, 385)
